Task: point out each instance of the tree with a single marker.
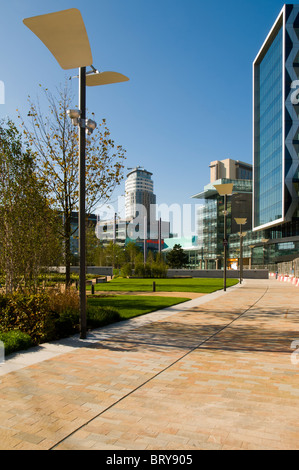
(93, 245)
(55, 141)
(100, 254)
(176, 258)
(139, 266)
(115, 256)
(28, 236)
(159, 268)
(132, 250)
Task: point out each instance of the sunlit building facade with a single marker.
(140, 199)
(211, 225)
(276, 137)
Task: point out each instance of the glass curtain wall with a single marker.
(268, 156)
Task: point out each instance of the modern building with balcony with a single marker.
(211, 218)
(230, 169)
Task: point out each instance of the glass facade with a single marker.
(244, 174)
(268, 126)
(276, 142)
(211, 225)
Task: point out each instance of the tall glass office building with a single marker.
(276, 126)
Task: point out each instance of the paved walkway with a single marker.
(218, 372)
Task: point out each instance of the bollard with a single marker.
(154, 286)
(92, 289)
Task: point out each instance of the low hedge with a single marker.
(15, 340)
(28, 313)
(46, 316)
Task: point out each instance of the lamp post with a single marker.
(264, 241)
(225, 190)
(251, 255)
(64, 34)
(241, 221)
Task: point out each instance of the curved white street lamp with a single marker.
(64, 34)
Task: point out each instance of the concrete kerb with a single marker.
(49, 350)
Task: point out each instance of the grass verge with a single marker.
(199, 285)
(132, 306)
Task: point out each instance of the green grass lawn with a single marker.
(130, 306)
(198, 285)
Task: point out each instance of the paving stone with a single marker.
(213, 373)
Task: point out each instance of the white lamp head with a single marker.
(90, 126)
(74, 114)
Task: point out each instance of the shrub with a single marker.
(126, 270)
(63, 302)
(147, 270)
(65, 307)
(27, 319)
(159, 270)
(28, 313)
(3, 302)
(139, 270)
(66, 324)
(15, 340)
(44, 316)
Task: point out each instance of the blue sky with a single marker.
(189, 98)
